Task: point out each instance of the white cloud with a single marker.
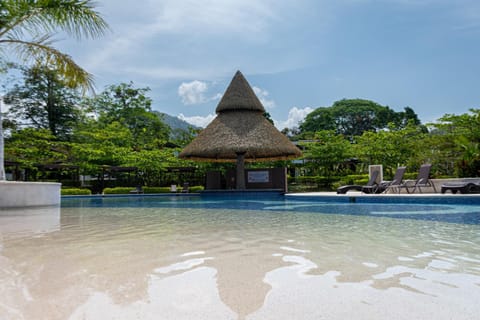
(194, 92)
(263, 97)
(295, 115)
(198, 121)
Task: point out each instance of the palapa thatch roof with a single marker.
(240, 127)
(239, 96)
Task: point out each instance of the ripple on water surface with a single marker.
(280, 262)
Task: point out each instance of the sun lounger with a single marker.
(370, 187)
(462, 187)
(396, 183)
(422, 181)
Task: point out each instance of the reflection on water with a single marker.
(29, 220)
(171, 263)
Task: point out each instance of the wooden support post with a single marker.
(241, 171)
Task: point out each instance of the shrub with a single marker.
(167, 189)
(156, 189)
(195, 189)
(75, 191)
(301, 188)
(410, 176)
(338, 184)
(126, 190)
(118, 190)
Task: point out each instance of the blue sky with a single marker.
(298, 55)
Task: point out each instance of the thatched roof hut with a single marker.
(240, 127)
(240, 132)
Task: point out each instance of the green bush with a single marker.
(323, 183)
(167, 189)
(360, 179)
(338, 184)
(410, 176)
(195, 188)
(75, 191)
(126, 190)
(156, 189)
(118, 190)
(320, 180)
(301, 188)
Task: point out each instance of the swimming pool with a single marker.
(268, 257)
(455, 209)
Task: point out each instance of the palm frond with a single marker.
(40, 51)
(75, 17)
(39, 19)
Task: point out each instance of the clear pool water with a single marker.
(261, 257)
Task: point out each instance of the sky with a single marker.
(297, 55)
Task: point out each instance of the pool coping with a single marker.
(358, 197)
(126, 195)
(350, 197)
(360, 194)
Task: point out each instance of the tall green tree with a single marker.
(353, 117)
(463, 134)
(94, 145)
(131, 107)
(27, 28)
(326, 152)
(44, 101)
(30, 147)
(392, 148)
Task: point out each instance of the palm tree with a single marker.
(27, 28)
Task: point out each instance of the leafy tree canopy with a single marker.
(326, 151)
(393, 148)
(352, 117)
(130, 107)
(467, 124)
(44, 101)
(462, 132)
(27, 28)
(94, 146)
(32, 146)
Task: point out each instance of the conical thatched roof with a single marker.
(239, 96)
(240, 128)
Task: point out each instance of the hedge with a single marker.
(195, 189)
(75, 191)
(118, 190)
(167, 189)
(156, 189)
(126, 190)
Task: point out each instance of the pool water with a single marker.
(231, 258)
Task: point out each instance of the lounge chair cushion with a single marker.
(370, 187)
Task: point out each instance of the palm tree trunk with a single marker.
(2, 163)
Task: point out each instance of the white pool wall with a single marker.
(15, 194)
